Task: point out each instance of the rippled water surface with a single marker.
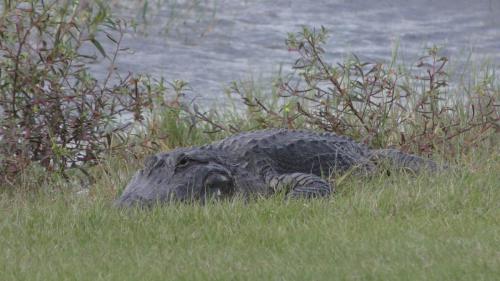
(211, 43)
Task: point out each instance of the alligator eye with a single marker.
(183, 161)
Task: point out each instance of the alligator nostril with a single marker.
(152, 163)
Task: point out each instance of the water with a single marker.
(213, 42)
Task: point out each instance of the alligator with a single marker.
(295, 163)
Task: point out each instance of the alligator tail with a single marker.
(400, 160)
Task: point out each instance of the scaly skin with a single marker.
(259, 163)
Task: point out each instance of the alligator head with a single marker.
(185, 174)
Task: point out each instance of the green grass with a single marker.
(439, 227)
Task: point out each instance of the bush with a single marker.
(54, 112)
(379, 104)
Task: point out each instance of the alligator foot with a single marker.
(300, 185)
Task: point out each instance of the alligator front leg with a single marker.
(299, 185)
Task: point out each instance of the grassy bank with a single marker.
(444, 227)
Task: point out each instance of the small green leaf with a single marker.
(99, 47)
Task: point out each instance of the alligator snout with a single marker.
(130, 200)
